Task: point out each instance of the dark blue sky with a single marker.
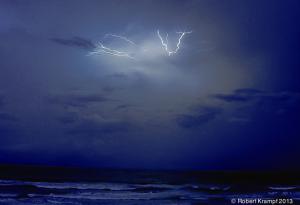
(228, 99)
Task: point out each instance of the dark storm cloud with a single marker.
(78, 100)
(248, 94)
(124, 106)
(75, 42)
(108, 89)
(238, 95)
(68, 119)
(279, 96)
(251, 105)
(247, 91)
(201, 117)
(231, 97)
(90, 128)
(92, 125)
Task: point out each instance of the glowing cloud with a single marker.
(101, 49)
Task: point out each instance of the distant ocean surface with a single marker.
(28, 192)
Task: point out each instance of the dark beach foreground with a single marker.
(69, 185)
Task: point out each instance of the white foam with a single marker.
(282, 188)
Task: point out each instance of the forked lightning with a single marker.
(165, 42)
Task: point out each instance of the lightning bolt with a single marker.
(165, 42)
(120, 37)
(100, 48)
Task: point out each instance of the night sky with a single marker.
(229, 98)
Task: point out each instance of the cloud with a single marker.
(238, 95)
(201, 117)
(124, 107)
(97, 129)
(249, 94)
(78, 99)
(231, 97)
(251, 105)
(75, 42)
(248, 91)
(239, 120)
(68, 119)
(91, 123)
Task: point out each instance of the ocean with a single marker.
(146, 189)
